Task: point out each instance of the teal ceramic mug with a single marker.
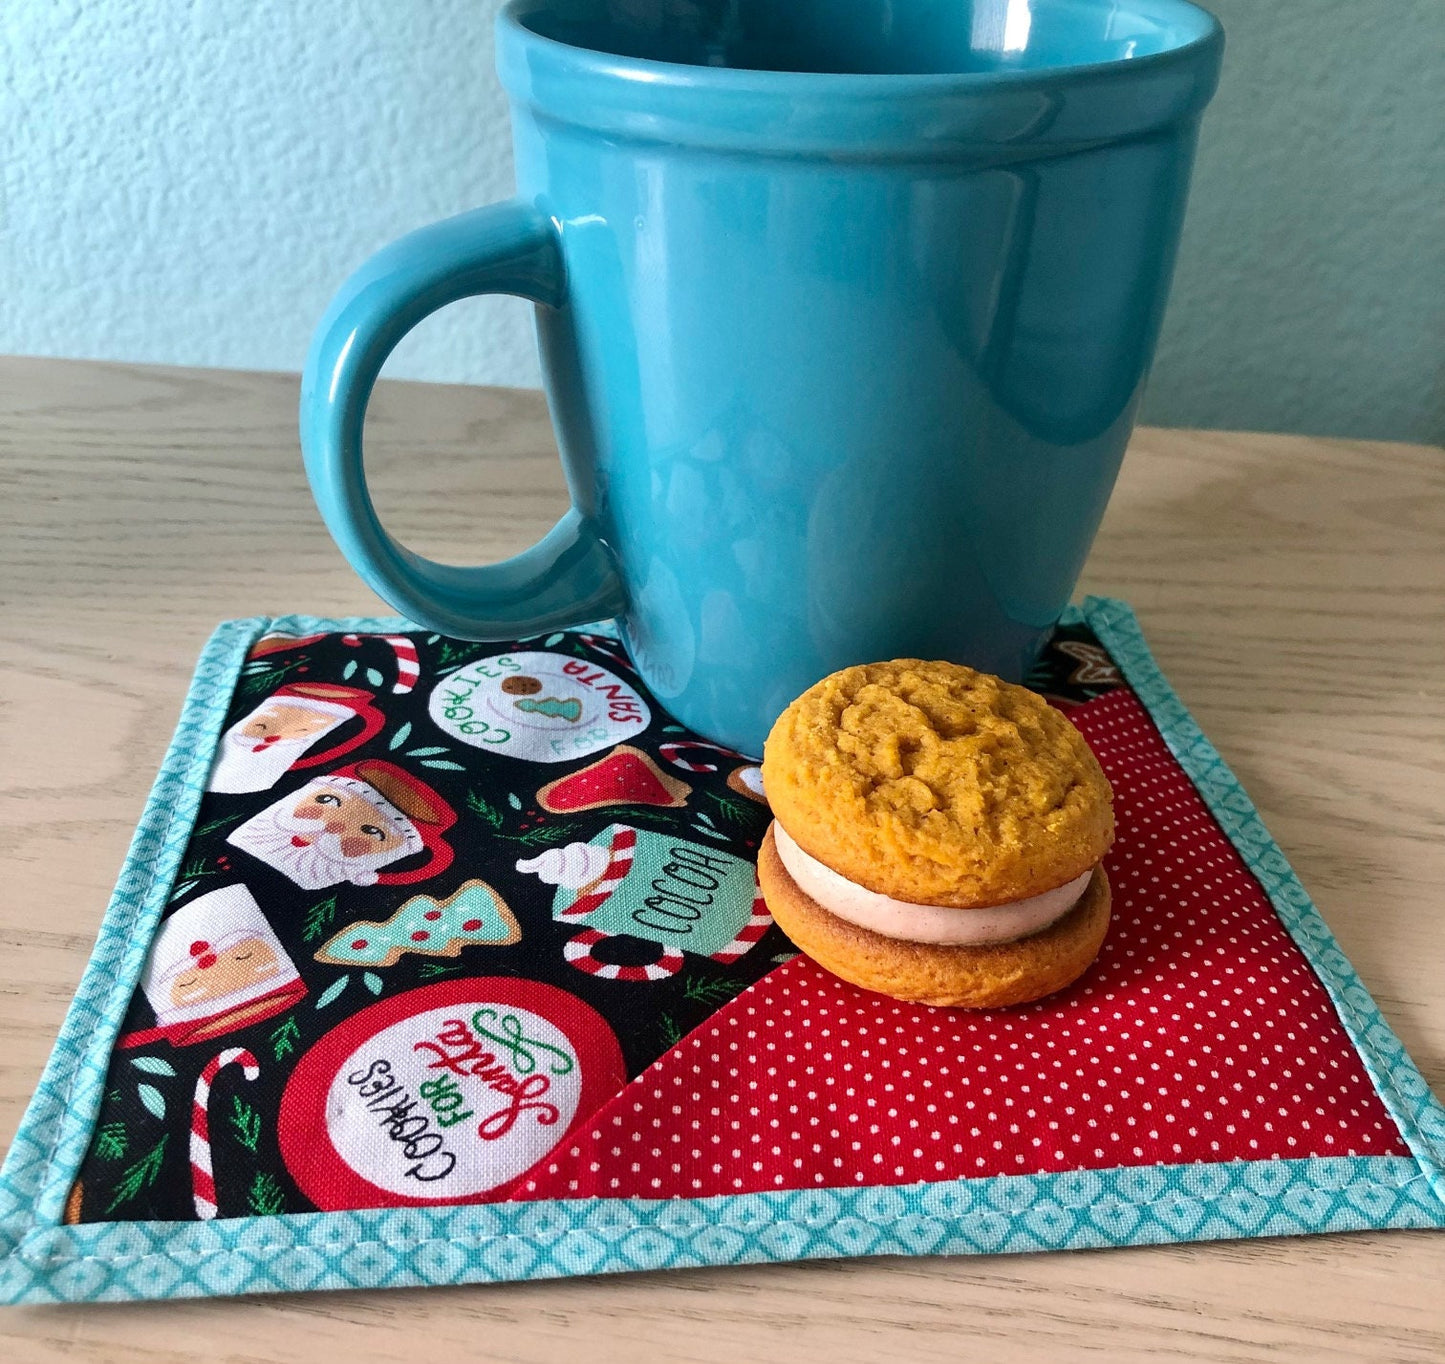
(844, 309)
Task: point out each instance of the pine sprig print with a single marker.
(141, 1175)
(319, 918)
(111, 1141)
(265, 1197)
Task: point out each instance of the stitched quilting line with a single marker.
(103, 1036)
(753, 1224)
(1119, 630)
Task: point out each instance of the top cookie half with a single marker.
(934, 783)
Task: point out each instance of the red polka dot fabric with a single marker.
(1201, 1034)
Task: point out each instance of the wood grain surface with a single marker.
(1293, 589)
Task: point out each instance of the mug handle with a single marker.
(566, 577)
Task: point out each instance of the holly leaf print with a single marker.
(152, 1065)
(333, 991)
(153, 1099)
(319, 918)
(111, 1141)
(246, 1122)
(141, 1175)
(265, 1197)
(400, 737)
(284, 1038)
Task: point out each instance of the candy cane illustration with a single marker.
(680, 897)
(203, 1179)
(671, 752)
(578, 951)
(605, 644)
(408, 666)
(624, 846)
(758, 923)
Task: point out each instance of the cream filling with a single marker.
(942, 924)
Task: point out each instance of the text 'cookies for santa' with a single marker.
(937, 835)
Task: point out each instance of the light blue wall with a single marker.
(187, 182)
(1310, 293)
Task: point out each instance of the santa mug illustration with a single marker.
(276, 737)
(538, 706)
(445, 1094)
(215, 966)
(634, 883)
(348, 825)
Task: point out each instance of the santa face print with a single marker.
(218, 971)
(326, 833)
(538, 706)
(276, 721)
(257, 750)
(357, 826)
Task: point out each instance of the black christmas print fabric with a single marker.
(443, 900)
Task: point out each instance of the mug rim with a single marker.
(511, 26)
(978, 119)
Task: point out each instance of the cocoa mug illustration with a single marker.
(844, 309)
(635, 883)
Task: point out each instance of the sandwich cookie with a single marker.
(937, 835)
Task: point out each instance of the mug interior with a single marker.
(871, 37)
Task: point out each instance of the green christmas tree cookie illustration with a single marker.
(473, 915)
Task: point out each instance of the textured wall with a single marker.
(188, 182)
(1310, 293)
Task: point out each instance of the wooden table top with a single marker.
(1293, 590)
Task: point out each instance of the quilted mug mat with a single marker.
(523, 1014)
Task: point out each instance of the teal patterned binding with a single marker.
(1418, 1114)
(44, 1261)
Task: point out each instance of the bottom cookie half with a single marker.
(981, 977)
